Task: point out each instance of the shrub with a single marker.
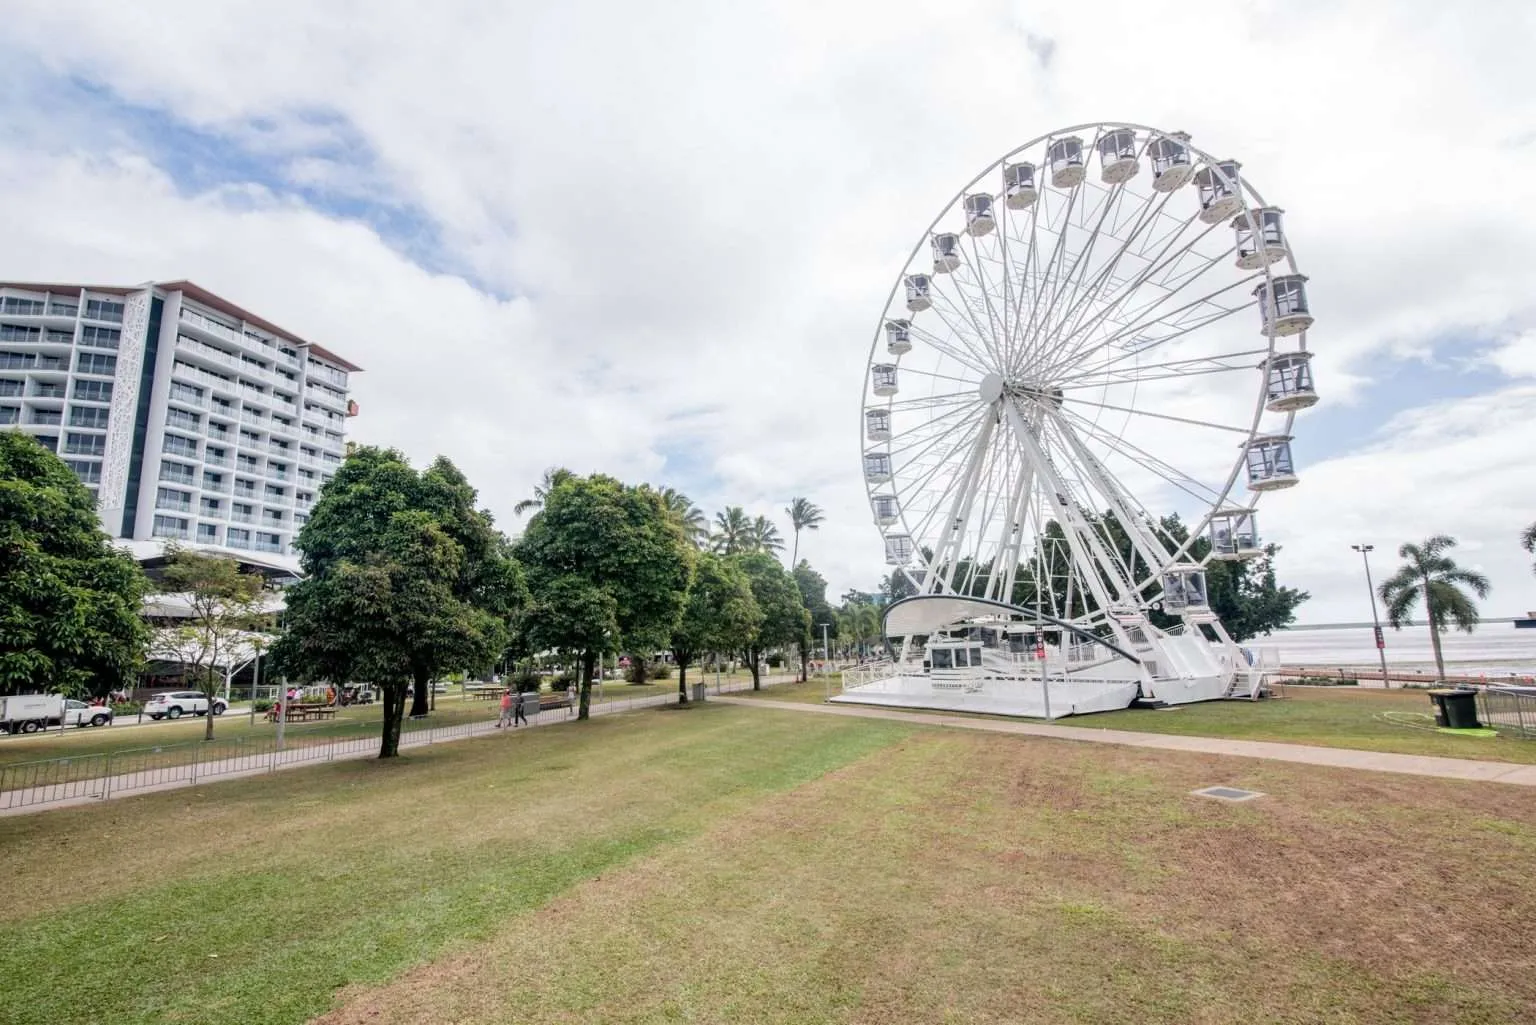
(127, 708)
(661, 671)
(526, 680)
(635, 672)
(775, 660)
(263, 706)
(563, 680)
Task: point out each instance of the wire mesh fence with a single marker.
(189, 763)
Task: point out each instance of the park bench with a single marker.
(484, 693)
(556, 699)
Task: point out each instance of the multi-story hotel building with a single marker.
(188, 417)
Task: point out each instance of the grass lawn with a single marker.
(1325, 716)
(728, 864)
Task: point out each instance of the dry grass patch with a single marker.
(999, 879)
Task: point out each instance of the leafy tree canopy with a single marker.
(70, 602)
(784, 618)
(608, 568)
(720, 614)
(407, 581)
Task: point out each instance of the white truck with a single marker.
(28, 713)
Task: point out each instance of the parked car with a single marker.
(177, 703)
(28, 713)
(78, 713)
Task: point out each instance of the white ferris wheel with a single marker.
(1107, 323)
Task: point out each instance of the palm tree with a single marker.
(1432, 573)
(732, 533)
(688, 516)
(765, 536)
(803, 515)
(553, 478)
(1528, 542)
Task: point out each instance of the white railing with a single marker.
(869, 672)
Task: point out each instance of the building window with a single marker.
(94, 391)
(177, 473)
(89, 472)
(207, 533)
(47, 417)
(179, 446)
(10, 414)
(100, 337)
(88, 416)
(210, 507)
(95, 363)
(181, 418)
(275, 492)
(186, 393)
(21, 307)
(11, 387)
(170, 526)
(104, 309)
(169, 498)
(238, 537)
(17, 333)
(85, 444)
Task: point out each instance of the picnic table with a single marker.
(304, 712)
(484, 693)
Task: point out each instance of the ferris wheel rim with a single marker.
(1250, 200)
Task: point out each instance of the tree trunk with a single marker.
(419, 706)
(588, 664)
(210, 692)
(754, 661)
(682, 682)
(394, 706)
(805, 662)
(794, 553)
(641, 667)
(1434, 635)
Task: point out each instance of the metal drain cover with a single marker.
(1227, 793)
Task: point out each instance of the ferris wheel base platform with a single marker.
(1027, 699)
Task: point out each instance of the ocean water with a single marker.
(1496, 648)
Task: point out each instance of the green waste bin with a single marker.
(1455, 709)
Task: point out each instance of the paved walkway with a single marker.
(1336, 757)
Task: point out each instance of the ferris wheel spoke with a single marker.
(998, 324)
(1067, 280)
(1172, 474)
(1043, 285)
(1018, 336)
(935, 375)
(1245, 431)
(1114, 300)
(928, 446)
(961, 310)
(968, 359)
(1102, 375)
(1129, 513)
(929, 425)
(1071, 319)
(966, 396)
(980, 356)
(1175, 320)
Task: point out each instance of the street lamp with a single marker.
(1381, 642)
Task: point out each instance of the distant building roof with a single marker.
(197, 292)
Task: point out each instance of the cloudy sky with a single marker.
(655, 239)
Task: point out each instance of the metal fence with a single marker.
(1510, 710)
(162, 766)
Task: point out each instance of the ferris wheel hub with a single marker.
(991, 388)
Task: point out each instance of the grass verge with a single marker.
(253, 901)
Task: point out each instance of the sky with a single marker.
(655, 240)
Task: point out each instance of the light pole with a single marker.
(826, 648)
(1381, 642)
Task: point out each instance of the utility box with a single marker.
(1455, 709)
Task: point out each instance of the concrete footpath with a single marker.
(1334, 757)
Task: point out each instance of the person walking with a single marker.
(506, 709)
(517, 711)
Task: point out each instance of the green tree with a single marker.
(553, 478)
(1528, 542)
(224, 607)
(608, 569)
(1433, 575)
(407, 580)
(803, 515)
(720, 615)
(70, 602)
(784, 618)
(1243, 594)
(813, 595)
(763, 536)
(733, 532)
(689, 516)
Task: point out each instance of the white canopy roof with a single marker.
(927, 613)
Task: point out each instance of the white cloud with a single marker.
(697, 210)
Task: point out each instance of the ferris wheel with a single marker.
(1105, 326)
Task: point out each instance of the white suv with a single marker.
(177, 703)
